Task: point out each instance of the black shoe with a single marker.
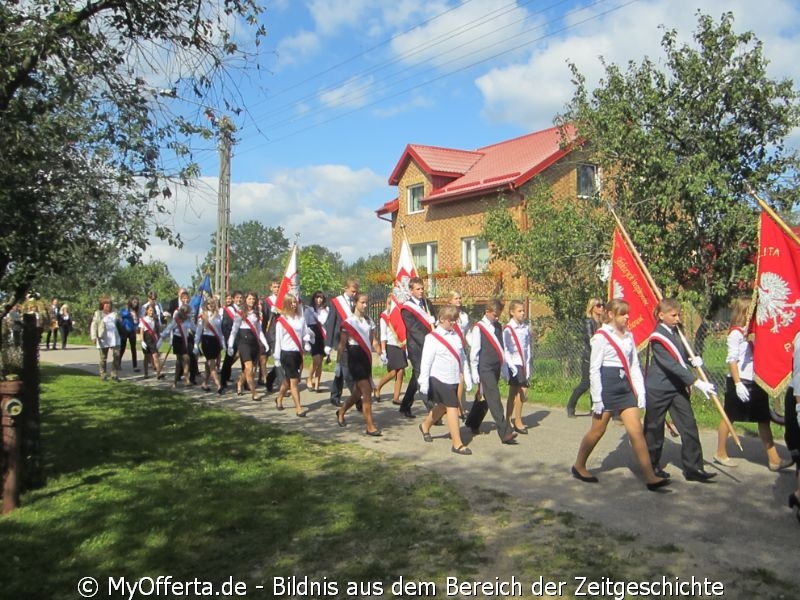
(475, 430)
(376, 433)
(584, 478)
(406, 413)
(702, 476)
(462, 450)
(660, 472)
(657, 485)
(336, 401)
(523, 430)
(426, 435)
(510, 439)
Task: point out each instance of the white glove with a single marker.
(327, 350)
(706, 387)
(641, 401)
(384, 358)
(144, 347)
(307, 347)
(597, 407)
(230, 350)
(513, 370)
(196, 349)
(468, 386)
(742, 392)
(475, 377)
(277, 361)
(696, 362)
(423, 386)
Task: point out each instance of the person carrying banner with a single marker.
(292, 337)
(357, 342)
(417, 313)
(442, 364)
(745, 400)
(593, 320)
(393, 355)
(668, 384)
(341, 309)
(487, 362)
(617, 385)
(517, 348)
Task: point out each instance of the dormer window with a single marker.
(415, 194)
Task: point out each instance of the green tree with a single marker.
(677, 146)
(561, 250)
(317, 271)
(84, 137)
(368, 267)
(258, 254)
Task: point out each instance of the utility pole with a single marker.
(222, 254)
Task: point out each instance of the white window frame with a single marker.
(469, 254)
(595, 178)
(410, 198)
(431, 264)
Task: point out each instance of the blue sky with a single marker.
(344, 85)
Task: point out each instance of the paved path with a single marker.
(741, 520)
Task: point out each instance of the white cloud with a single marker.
(297, 48)
(530, 94)
(353, 93)
(331, 16)
(329, 205)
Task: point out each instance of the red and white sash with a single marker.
(668, 344)
(251, 326)
(292, 333)
(144, 322)
(492, 339)
(622, 357)
(447, 345)
(417, 311)
(358, 335)
(214, 331)
(519, 348)
(344, 311)
(231, 313)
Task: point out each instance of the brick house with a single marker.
(443, 193)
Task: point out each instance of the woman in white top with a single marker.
(150, 328)
(461, 328)
(442, 366)
(745, 401)
(180, 329)
(616, 385)
(292, 337)
(393, 355)
(358, 337)
(105, 336)
(247, 337)
(316, 315)
(209, 341)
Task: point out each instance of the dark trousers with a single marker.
(54, 333)
(225, 370)
(415, 358)
(125, 339)
(64, 335)
(490, 389)
(677, 403)
(342, 380)
(581, 388)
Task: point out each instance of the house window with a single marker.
(588, 180)
(415, 193)
(426, 257)
(474, 254)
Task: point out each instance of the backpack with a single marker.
(126, 319)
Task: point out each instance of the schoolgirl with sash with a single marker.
(209, 341)
(316, 315)
(357, 337)
(180, 329)
(150, 328)
(247, 336)
(617, 386)
(745, 400)
(517, 346)
(393, 354)
(292, 336)
(442, 364)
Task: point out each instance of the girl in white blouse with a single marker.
(616, 385)
(393, 354)
(292, 337)
(209, 340)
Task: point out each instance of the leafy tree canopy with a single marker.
(676, 147)
(86, 130)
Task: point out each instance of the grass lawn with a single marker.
(142, 486)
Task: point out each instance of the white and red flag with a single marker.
(628, 281)
(776, 319)
(290, 284)
(405, 271)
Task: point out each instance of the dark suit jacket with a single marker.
(415, 330)
(664, 372)
(333, 325)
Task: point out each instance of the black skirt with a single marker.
(443, 393)
(210, 346)
(150, 342)
(318, 345)
(291, 363)
(178, 345)
(359, 363)
(754, 411)
(248, 345)
(396, 357)
(617, 393)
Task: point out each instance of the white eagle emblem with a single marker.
(773, 302)
(616, 289)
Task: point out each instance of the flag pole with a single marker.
(767, 209)
(689, 351)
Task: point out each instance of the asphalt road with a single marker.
(741, 520)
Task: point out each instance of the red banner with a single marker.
(290, 284)
(776, 320)
(628, 281)
(405, 271)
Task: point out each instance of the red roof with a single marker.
(389, 207)
(505, 165)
